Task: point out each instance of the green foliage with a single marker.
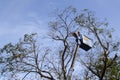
(113, 73)
(103, 45)
(13, 54)
(24, 56)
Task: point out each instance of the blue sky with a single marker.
(18, 17)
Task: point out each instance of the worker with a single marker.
(78, 37)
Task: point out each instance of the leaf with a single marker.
(100, 30)
(85, 10)
(106, 24)
(110, 36)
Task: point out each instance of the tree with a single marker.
(61, 30)
(104, 52)
(24, 58)
(59, 63)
